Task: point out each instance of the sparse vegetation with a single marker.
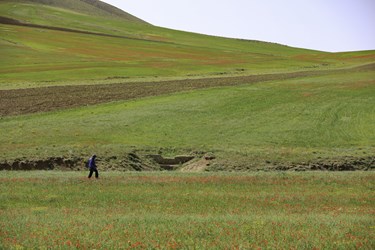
(78, 77)
(324, 114)
(266, 210)
(247, 126)
(35, 56)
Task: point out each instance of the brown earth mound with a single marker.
(192, 163)
(171, 163)
(44, 164)
(126, 162)
(343, 164)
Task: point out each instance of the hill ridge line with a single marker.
(88, 7)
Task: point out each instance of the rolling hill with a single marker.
(45, 53)
(79, 76)
(87, 7)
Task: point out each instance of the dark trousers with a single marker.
(92, 170)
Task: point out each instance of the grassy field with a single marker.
(324, 117)
(309, 118)
(178, 211)
(295, 120)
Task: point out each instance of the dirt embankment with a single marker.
(25, 101)
(348, 163)
(190, 163)
(344, 164)
(45, 164)
(127, 162)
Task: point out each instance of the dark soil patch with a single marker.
(142, 162)
(170, 163)
(10, 21)
(126, 162)
(43, 164)
(25, 101)
(342, 164)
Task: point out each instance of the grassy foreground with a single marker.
(174, 211)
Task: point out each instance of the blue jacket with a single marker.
(92, 164)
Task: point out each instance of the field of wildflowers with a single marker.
(282, 210)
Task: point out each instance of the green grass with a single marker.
(33, 56)
(248, 126)
(36, 10)
(282, 121)
(269, 210)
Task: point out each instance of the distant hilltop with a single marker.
(92, 7)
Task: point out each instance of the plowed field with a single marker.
(33, 100)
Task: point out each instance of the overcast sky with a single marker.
(327, 25)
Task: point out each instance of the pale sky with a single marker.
(327, 25)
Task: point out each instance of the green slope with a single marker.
(330, 116)
(287, 121)
(88, 7)
(33, 55)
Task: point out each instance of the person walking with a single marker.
(92, 167)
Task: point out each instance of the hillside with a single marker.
(136, 49)
(308, 122)
(78, 77)
(90, 7)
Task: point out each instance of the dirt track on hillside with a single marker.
(33, 100)
(10, 21)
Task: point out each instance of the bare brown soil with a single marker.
(341, 164)
(33, 100)
(127, 162)
(135, 162)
